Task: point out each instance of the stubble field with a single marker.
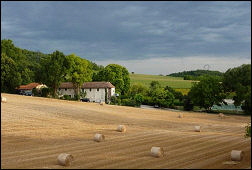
(34, 131)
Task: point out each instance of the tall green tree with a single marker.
(177, 94)
(10, 77)
(160, 96)
(207, 92)
(80, 71)
(117, 75)
(27, 62)
(137, 89)
(53, 70)
(238, 80)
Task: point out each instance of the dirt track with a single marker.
(34, 131)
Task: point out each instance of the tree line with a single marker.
(197, 74)
(21, 66)
(210, 90)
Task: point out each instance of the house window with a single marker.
(65, 89)
(90, 89)
(98, 89)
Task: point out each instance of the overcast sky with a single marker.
(146, 37)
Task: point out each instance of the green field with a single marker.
(175, 82)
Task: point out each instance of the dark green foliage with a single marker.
(83, 94)
(117, 75)
(238, 80)
(137, 89)
(77, 97)
(148, 100)
(248, 130)
(176, 94)
(160, 96)
(138, 99)
(10, 77)
(115, 100)
(78, 71)
(29, 66)
(155, 85)
(53, 70)
(67, 97)
(35, 92)
(188, 105)
(197, 74)
(96, 67)
(207, 92)
(106, 95)
(129, 102)
(45, 92)
(26, 61)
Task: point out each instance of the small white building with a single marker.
(25, 89)
(95, 91)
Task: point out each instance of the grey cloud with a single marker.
(130, 30)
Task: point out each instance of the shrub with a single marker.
(115, 100)
(45, 92)
(129, 102)
(77, 97)
(248, 130)
(188, 105)
(35, 92)
(66, 97)
(138, 99)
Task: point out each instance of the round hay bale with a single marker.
(181, 115)
(197, 128)
(65, 159)
(3, 99)
(102, 103)
(121, 128)
(99, 137)
(157, 152)
(221, 115)
(236, 155)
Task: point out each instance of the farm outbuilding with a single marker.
(27, 89)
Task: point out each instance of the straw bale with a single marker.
(121, 128)
(157, 152)
(236, 155)
(65, 159)
(99, 137)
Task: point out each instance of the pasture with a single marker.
(34, 131)
(175, 82)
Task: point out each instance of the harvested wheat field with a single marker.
(34, 131)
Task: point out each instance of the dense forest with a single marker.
(196, 74)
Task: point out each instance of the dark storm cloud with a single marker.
(130, 30)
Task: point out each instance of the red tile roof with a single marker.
(101, 84)
(28, 86)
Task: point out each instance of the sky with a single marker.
(146, 37)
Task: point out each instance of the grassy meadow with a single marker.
(175, 82)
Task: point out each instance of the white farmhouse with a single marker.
(95, 91)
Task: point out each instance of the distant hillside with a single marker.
(196, 74)
(175, 82)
